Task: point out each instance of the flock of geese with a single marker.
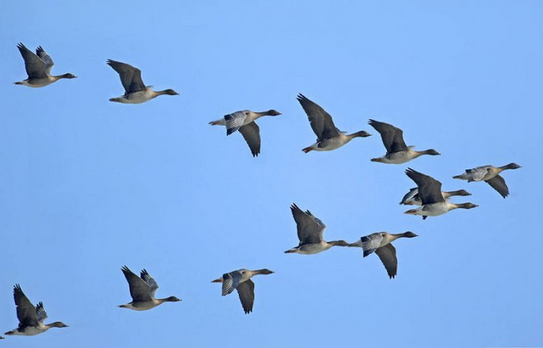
(427, 196)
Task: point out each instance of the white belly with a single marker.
(31, 331)
(398, 158)
(330, 144)
(435, 209)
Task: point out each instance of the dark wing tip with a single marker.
(410, 172)
(144, 273)
(125, 269)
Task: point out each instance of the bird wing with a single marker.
(230, 281)
(234, 121)
(251, 134)
(391, 136)
(139, 289)
(153, 285)
(387, 254)
(429, 188)
(410, 196)
(477, 173)
(26, 312)
(371, 242)
(41, 314)
(310, 229)
(130, 76)
(320, 120)
(35, 67)
(40, 52)
(246, 292)
(498, 184)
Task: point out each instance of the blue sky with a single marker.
(87, 186)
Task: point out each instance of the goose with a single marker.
(397, 151)
(135, 90)
(413, 198)
(244, 121)
(328, 136)
(30, 318)
(143, 291)
(38, 67)
(433, 203)
(491, 175)
(240, 280)
(310, 233)
(381, 244)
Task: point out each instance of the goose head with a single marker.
(273, 112)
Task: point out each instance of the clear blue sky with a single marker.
(87, 185)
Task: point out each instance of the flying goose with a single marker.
(38, 67)
(244, 121)
(135, 90)
(381, 243)
(30, 318)
(241, 281)
(328, 136)
(143, 291)
(397, 151)
(413, 198)
(433, 203)
(310, 233)
(491, 175)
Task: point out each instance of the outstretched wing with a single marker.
(498, 184)
(153, 286)
(429, 188)
(310, 229)
(139, 289)
(387, 254)
(35, 67)
(371, 242)
(320, 120)
(246, 292)
(230, 281)
(40, 52)
(391, 136)
(26, 312)
(251, 134)
(130, 76)
(234, 121)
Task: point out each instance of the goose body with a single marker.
(328, 136)
(38, 68)
(433, 202)
(380, 243)
(310, 233)
(244, 121)
(142, 291)
(240, 280)
(397, 151)
(489, 174)
(413, 197)
(30, 318)
(135, 90)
